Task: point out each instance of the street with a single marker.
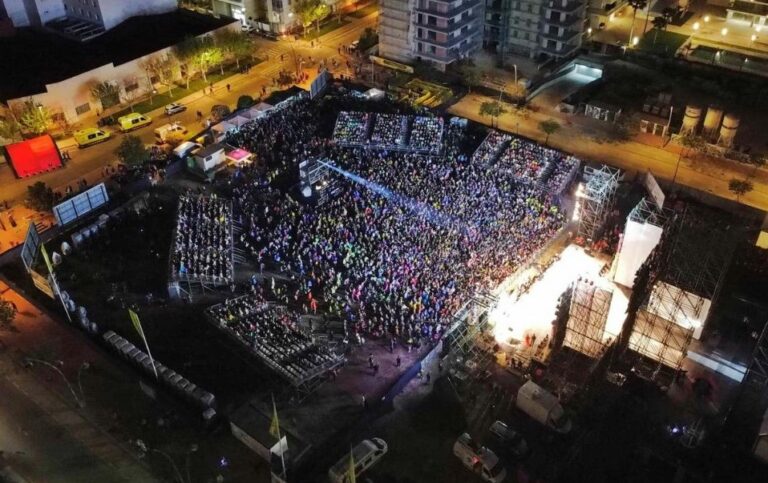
(89, 162)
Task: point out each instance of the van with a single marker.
(133, 121)
(185, 149)
(479, 459)
(365, 455)
(166, 131)
(90, 136)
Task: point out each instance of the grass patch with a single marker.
(666, 43)
(163, 98)
(330, 26)
(366, 10)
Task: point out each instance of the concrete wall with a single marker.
(67, 96)
(114, 12)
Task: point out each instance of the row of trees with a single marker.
(28, 118)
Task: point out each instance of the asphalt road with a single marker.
(88, 163)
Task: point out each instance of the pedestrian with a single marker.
(370, 360)
(429, 377)
(365, 403)
(440, 367)
(375, 369)
(229, 88)
(397, 361)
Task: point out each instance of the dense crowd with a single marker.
(563, 169)
(525, 160)
(491, 147)
(270, 331)
(202, 248)
(402, 257)
(389, 130)
(352, 127)
(426, 134)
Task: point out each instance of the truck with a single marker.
(543, 406)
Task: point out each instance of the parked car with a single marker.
(365, 454)
(174, 108)
(90, 136)
(479, 459)
(247, 28)
(133, 121)
(509, 439)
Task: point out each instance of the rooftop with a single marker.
(39, 57)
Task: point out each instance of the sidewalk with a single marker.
(710, 175)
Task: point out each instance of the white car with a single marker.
(247, 28)
(365, 455)
(479, 459)
(174, 108)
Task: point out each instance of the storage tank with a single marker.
(712, 122)
(728, 130)
(691, 119)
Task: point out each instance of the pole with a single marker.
(53, 367)
(279, 441)
(84, 365)
(170, 460)
(677, 166)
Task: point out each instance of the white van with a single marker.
(479, 459)
(365, 454)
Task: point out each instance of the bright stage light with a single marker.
(533, 312)
(576, 211)
(580, 192)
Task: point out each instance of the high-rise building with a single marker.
(535, 28)
(442, 31)
(435, 31)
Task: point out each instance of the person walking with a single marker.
(364, 401)
(229, 88)
(397, 361)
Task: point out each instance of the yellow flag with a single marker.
(137, 324)
(352, 476)
(46, 258)
(274, 425)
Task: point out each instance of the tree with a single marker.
(185, 52)
(207, 56)
(106, 93)
(9, 129)
(659, 23)
(131, 151)
(219, 112)
(311, 11)
(8, 313)
(692, 142)
(492, 108)
(161, 68)
(636, 5)
(759, 161)
(244, 102)
(33, 118)
(549, 127)
(236, 45)
(740, 187)
(469, 74)
(40, 196)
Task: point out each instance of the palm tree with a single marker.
(659, 23)
(636, 5)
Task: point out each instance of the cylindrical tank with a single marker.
(691, 119)
(728, 130)
(712, 121)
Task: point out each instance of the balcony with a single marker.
(568, 22)
(450, 43)
(466, 5)
(567, 7)
(452, 27)
(563, 51)
(451, 55)
(566, 36)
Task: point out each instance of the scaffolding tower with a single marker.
(757, 373)
(587, 318)
(685, 278)
(596, 200)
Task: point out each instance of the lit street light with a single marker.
(635, 40)
(724, 32)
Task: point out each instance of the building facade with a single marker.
(436, 31)
(105, 13)
(537, 29)
(752, 12)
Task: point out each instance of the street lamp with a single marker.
(80, 400)
(724, 32)
(696, 26)
(706, 18)
(635, 40)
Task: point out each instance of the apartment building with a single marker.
(435, 31)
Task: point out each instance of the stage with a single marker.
(522, 319)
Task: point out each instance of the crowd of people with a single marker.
(389, 130)
(397, 261)
(491, 147)
(525, 160)
(352, 127)
(270, 331)
(202, 246)
(426, 134)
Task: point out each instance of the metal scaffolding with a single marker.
(757, 373)
(686, 274)
(596, 199)
(588, 315)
